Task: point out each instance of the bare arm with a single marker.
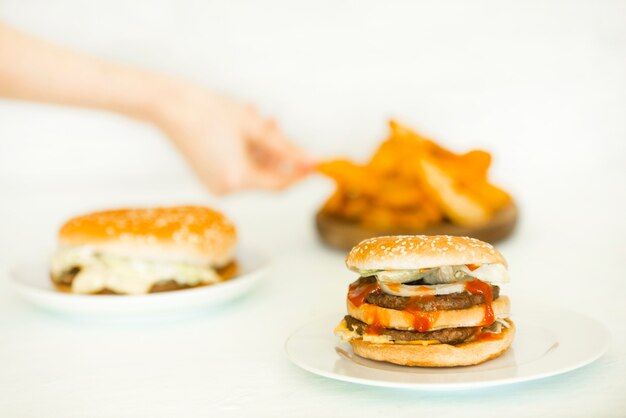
(37, 71)
(230, 146)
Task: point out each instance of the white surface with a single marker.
(540, 84)
(547, 342)
(32, 281)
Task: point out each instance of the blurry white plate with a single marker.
(546, 343)
(32, 281)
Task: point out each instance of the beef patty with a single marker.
(65, 279)
(64, 284)
(461, 300)
(444, 336)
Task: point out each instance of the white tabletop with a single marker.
(230, 361)
(541, 86)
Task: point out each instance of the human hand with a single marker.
(230, 146)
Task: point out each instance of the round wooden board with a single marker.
(344, 235)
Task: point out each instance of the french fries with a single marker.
(412, 182)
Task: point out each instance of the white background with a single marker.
(541, 84)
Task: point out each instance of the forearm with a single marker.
(33, 70)
(229, 145)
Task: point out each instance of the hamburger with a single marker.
(139, 251)
(430, 301)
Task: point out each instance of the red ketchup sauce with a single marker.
(375, 328)
(422, 321)
(477, 287)
(357, 292)
(395, 287)
(489, 336)
(472, 267)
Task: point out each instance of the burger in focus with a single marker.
(139, 251)
(429, 301)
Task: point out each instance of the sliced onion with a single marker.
(398, 276)
(490, 273)
(444, 275)
(398, 289)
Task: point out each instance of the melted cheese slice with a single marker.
(347, 335)
(100, 271)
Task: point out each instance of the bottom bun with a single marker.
(437, 355)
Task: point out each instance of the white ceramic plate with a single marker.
(31, 280)
(547, 343)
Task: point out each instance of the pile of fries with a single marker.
(413, 183)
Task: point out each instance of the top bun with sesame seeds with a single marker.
(189, 234)
(410, 252)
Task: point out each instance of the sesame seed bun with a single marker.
(409, 252)
(404, 320)
(436, 355)
(189, 234)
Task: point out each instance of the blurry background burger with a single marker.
(137, 251)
